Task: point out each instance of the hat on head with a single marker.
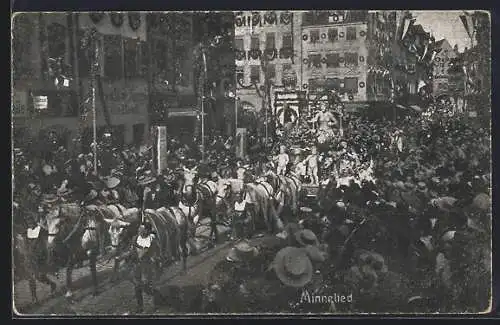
(112, 182)
(421, 186)
(293, 267)
(373, 259)
(90, 196)
(242, 252)
(306, 237)
(49, 198)
(315, 254)
(305, 209)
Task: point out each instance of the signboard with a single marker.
(161, 148)
(288, 106)
(241, 142)
(41, 102)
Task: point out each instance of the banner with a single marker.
(41, 102)
(161, 148)
(288, 106)
(241, 142)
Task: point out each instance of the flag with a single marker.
(468, 23)
(406, 24)
(425, 50)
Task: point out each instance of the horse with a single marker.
(204, 192)
(30, 253)
(74, 235)
(260, 194)
(287, 190)
(123, 227)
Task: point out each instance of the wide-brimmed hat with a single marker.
(306, 237)
(242, 252)
(90, 196)
(293, 267)
(112, 182)
(444, 203)
(482, 201)
(145, 180)
(315, 254)
(49, 198)
(373, 259)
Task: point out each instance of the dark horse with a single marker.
(74, 235)
(30, 252)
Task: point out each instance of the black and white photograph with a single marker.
(333, 162)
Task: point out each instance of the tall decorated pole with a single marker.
(204, 58)
(95, 67)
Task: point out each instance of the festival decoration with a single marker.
(116, 19)
(134, 20)
(270, 54)
(238, 21)
(285, 18)
(96, 17)
(270, 18)
(256, 19)
(304, 37)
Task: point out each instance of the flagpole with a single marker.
(94, 113)
(203, 105)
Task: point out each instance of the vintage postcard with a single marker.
(251, 162)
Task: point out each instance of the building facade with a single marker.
(441, 67)
(269, 36)
(51, 81)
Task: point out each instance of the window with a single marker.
(351, 59)
(238, 44)
(314, 35)
(56, 36)
(113, 56)
(351, 85)
(255, 74)
(307, 18)
(315, 60)
(131, 56)
(271, 71)
(350, 34)
(287, 41)
(270, 41)
(332, 60)
(333, 34)
(240, 74)
(333, 83)
(255, 43)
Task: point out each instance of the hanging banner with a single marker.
(288, 106)
(241, 142)
(161, 148)
(40, 102)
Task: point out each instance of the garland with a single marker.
(96, 17)
(116, 19)
(270, 18)
(270, 54)
(256, 19)
(285, 18)
(134, 20)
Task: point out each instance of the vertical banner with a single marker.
(161, 148)
(241, 142)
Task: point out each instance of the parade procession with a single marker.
(250, 162)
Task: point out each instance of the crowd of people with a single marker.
(403, 208)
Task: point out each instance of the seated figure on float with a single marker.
(325, 121)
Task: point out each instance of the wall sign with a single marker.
(41, 102)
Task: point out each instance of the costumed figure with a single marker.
(282, 160)
(312, 166)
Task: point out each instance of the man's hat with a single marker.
(293, 267)
(90, 196)
(306, 237)
(421, 186)
(112, 182)
(242, 252)
(315, 254)
(145, 180)
(305, 210)
(49, 198)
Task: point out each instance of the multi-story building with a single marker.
(52, 69)
(441, 66)
(269, 36)
(334, 53)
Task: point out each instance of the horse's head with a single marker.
(190, 179)
(223, 191)
(116, 227)
(54, 222)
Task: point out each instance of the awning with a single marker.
(416, 108)
(184, 111)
